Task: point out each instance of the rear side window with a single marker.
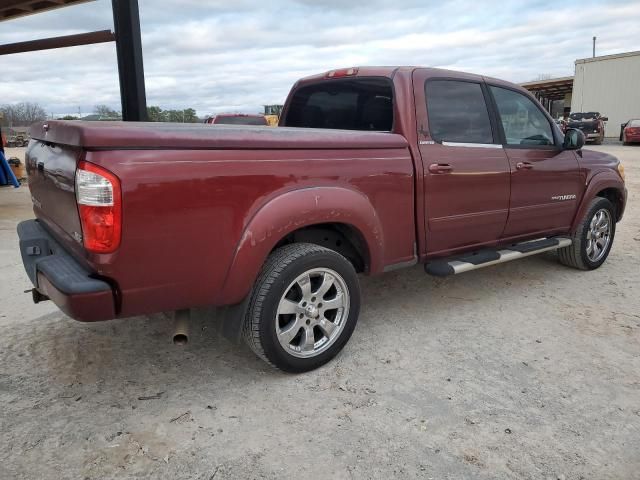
(457, 112)
(352, 104)
(522, 120)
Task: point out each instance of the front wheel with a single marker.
(593, 238)
(303, 307)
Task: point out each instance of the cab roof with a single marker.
(391, 71)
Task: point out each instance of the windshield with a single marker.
(350, 104)
(585, 116)
(239, 120)
(633, 123)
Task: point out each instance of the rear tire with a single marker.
(303, 308)
(593, 237)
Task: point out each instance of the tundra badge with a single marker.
(563, 197)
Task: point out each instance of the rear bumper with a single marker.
(60, 277)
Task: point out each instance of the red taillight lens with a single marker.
(343, 72)
(100, 207)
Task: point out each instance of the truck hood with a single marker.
(147, 135)
(592, 158)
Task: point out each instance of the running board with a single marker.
(485, 258)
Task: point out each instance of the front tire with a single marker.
(593, 238)
(303, 308)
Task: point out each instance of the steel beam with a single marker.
(126, 19)
(58, 42)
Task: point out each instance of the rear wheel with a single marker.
(303, 308)
(593, 238)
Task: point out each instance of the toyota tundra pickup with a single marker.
(371, 169)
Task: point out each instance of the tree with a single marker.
(68, 117)
(105, 111)
(22, 114)
(190, 115)
(156, 114)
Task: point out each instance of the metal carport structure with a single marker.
(126, 34)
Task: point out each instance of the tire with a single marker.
(598, 141)
(280, 307)
(578, 254)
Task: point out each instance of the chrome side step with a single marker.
(484, 258)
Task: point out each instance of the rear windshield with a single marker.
(584, 116)
(240, 120)
(351, 104)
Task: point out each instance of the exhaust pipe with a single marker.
(181, 327)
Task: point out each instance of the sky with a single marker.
(235, 56)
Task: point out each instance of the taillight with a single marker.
(100, 207)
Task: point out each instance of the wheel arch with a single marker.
(616, 197)
(604, 184)
(307, 215)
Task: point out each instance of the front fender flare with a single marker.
(291, 211)
(600, 181)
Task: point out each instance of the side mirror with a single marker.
(604, 119)
(573, 139)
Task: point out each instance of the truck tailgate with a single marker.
(51, 171)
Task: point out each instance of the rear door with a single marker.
(545, 179)
(466, 172)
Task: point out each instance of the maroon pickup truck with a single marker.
(372, 169)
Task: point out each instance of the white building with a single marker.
(610, 85)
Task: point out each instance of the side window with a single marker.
(457, 112)
(522, 120)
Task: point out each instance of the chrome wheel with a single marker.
(599, 235)
(312, 312)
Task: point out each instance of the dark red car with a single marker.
(372, 169)
(237, 119)
(631, 132)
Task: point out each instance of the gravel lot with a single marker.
(524, 370)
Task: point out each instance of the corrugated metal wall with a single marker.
(609, 85)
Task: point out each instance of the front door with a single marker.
(546, 184)
(466, 171)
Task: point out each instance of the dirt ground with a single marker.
(525, 370)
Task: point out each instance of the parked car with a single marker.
(631, 132)
(237, 119)
(622, 125)
(372, 169)
(590, 123)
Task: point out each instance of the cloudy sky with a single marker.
(217, 55)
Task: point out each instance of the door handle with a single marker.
(440, 168)
(524, 165)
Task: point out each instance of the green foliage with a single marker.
(156, 114)
(69, 117)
